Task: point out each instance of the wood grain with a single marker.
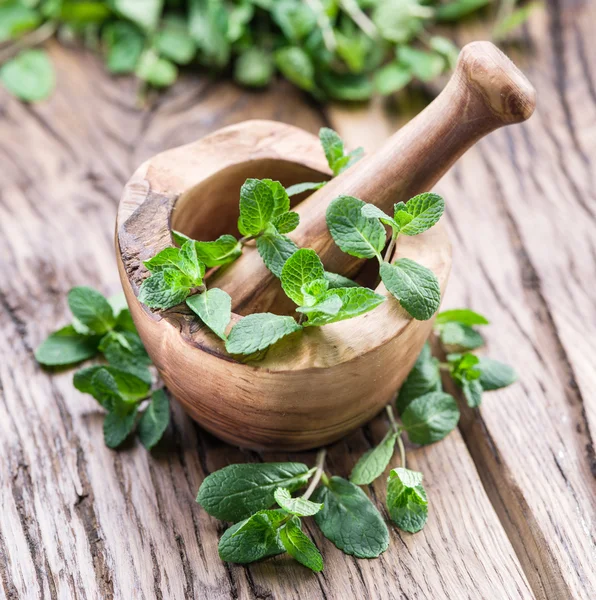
(531, 272)
(81, 521)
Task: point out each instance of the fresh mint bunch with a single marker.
(358, 229)
(473, 374)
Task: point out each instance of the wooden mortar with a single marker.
(317, 385)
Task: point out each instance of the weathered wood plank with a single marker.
(522, 216)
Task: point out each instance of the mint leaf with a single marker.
(350, 520)
(315, 290)
(373, 463)
(107, 383)
(15, 19)
(294, 18)
(168, 258)
(406, 500)
(125, 351)
(495, 374)
(254, 67)
(463, 316)
(425, 210)
(329, 307)
(225, 249)
(430, 418)
(253, 539)
(424, 377)
(91, 309)
(66, 347)
(281, 200)
(456, 337)
(180, 238)
(423, 65)
(415, 286)
(354, 233)
(124, 45)
(287, 222)
(157, 71)
(256, 207)
(472, 389)
(29, 76)
(214, 307)
(302, 268)
(258, 331)
(190, 264)
(174, 42)
(154, 420)
(117, 426)
(391, 78)
(145, 14)
(296, 506)
(372, 212)
(339, 281)
(299, 545)
(355, 301)
(236, 491)
(275, 249)
(456, 10)
(307, 186)
(165, 289)
(296, 66)
(333, 147)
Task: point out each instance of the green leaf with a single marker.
(347, 86)
(472, 389)
(174, 42)
(258, 331)
(307, 186)
(154, 420)
(456, 337)
(430, 418)
(275, 249)
(423, 65)
(180, 238)
(81, 13)
(118, 426)
(373, 463)
(256, 207)
(514, 20)
(296, 506)
(16, 18)
(168, 258)
(91, 309)
(406, 500)
(287, 222)
(494, 374)
(254, 68)
(296, 66)
(354, 233)
(300, 269)
(333, 147)
(145, 14)
(253, 539)
(391, 78)
(445, 47)
(415, 286)
(159, 72)
(463, 316)
(424, 377)
(66, 347)
(350, 520)
(355, 302)
(225, 249)
(208, 24)
(236, 491)
(238, 18)
(454, 11)
(164, 289)
(214, 307)
(339, 281)
(329, 306)
(315, 290)
(111, 385)
(294, 18)
(373, 212)
(124, 45)
(29, 76)
(425, 210)
(281, 200)
(399, 21)
(299, 545)
(125, 351)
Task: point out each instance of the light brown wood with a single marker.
(485, 92)
(311, 388)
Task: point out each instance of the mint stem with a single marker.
(391, 416)
(319, 472)
(359, 17)
(246, 238)
(402, 451)
(391, 246)
(395, 427)
(324, 24)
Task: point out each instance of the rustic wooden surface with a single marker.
(513, 506)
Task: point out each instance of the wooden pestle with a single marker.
(485, 92)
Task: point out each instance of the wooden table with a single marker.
(513, 491)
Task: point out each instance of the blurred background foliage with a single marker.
(334, 49)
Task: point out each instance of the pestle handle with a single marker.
(486, 91)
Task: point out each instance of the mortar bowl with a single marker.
(312, 387)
